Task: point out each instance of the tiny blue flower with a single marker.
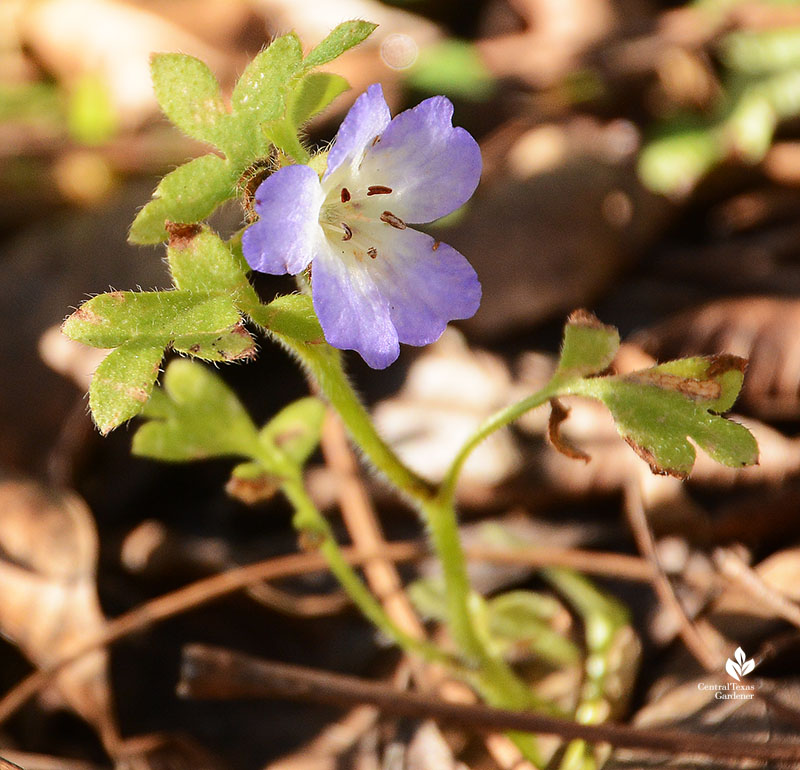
(375, 282)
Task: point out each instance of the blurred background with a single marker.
(641, 159)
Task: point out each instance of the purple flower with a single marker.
(375, 281)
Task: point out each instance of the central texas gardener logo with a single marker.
(741, 666)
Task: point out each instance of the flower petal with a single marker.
(431, 167)
(367, 118)
(351, 310)
(288, 234)
(425, 283)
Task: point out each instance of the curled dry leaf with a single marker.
(48, 599)
(765, 330)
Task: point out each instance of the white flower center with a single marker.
(349, 212)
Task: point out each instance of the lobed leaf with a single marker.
(122, 383)
(343, 37)
(189, 95)
(154, 318)
(188, 194)
(201, 261)
(260, 95)
(296, 429)
(657, 410)
(195, 416)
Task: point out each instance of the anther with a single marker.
(372, 252)
(345, 195)
(378, 189)
(436, 245)
(392, 220)
(348, 233)
(376, 140)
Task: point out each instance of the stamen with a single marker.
(372, 252)
(393, 220)
(378, 189)
(348, 233)
(345, 195)
(436, 245)
(376, 140)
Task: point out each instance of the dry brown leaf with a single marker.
(691, 707)
(765, 330)
(48, 599)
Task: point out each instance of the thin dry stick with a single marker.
(692, 638)
(214, 673)
(187, 598)
(208, 589)
(733, 567)
(364, 528)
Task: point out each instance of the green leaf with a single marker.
(656, 410)
(235, 344)
(196, 416)
(292, 316)
(284, 136)
(260, 94)
(313, 94)
(521, 619)
(296, 429)
(674, 163)
(188, 194)
(589, 346)
(342, 38)
(123, 382)
(200, 260)
(190, 96)
(154, 318)
(452, 67)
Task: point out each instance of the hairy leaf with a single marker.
(154, 318)
(657, 410)
(292, 316)
(589, 346)
(190, 96)
(342, 38)
(123, 382)
(188, 194)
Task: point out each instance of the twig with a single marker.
(214, 673)
(692, 638)
(187, 598)
(208, 589)
(730, 564)
(23, 759)
(364, 528)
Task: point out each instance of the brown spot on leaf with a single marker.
(725, 362)
(252, 491)
(309, 541)
(650, 459)
(87, 315)
(582, 317)
(393, 220)
(697, 390)
(117, 295)
(559, 413)
(378, 189)
(195, 348)
(137, 394)
(181, 235)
